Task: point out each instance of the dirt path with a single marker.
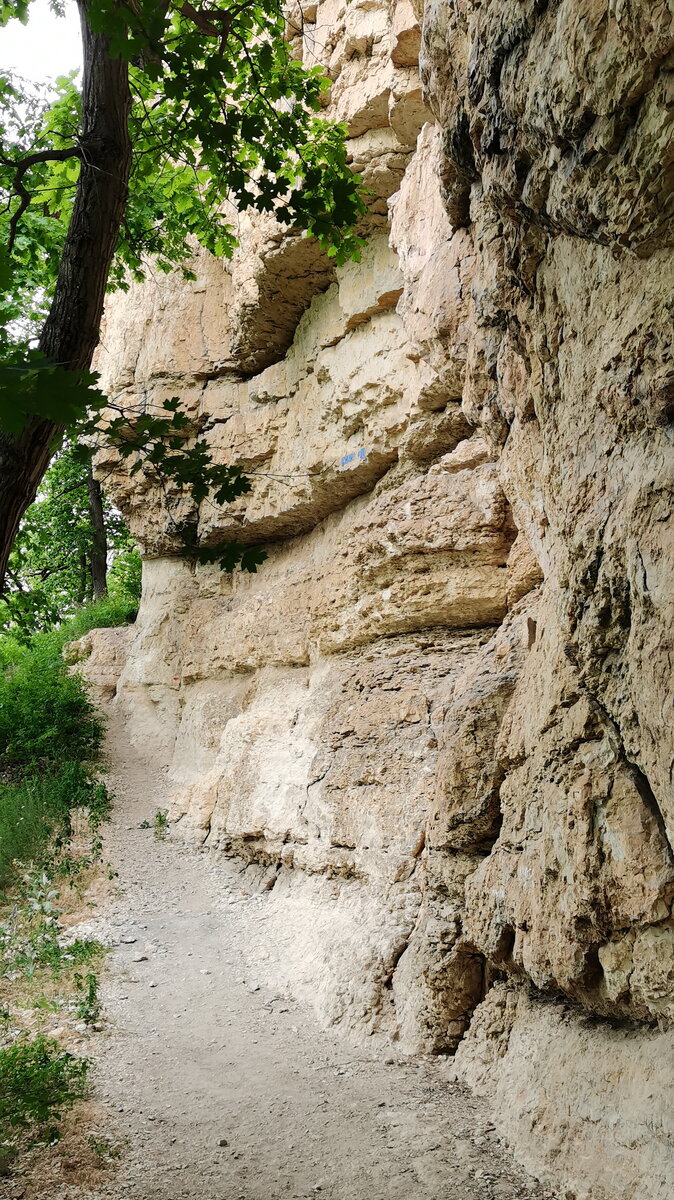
(201, 1051)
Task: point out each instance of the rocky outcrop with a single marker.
(438, 723)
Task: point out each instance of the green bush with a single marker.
(38, 1082)
(11, 651)
(45, 713)
(35, 812)
(50, 737)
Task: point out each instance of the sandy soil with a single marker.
(221, 1088)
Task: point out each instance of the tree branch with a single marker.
(74, 487)
(208, 21)
(18, 186)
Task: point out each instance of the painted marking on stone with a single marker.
(347, 459)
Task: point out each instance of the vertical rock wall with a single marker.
(438, 723)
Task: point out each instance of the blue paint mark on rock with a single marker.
(347, 459)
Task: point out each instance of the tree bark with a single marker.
(99, 544)
(71, 330)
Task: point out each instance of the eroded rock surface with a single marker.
(438, 723)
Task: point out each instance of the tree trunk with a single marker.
(71, 330)
(99, 545)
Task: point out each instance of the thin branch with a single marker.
(19, 187)
(74, 487)
(212, 22)
(208, 21)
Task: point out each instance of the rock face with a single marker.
(439, 721)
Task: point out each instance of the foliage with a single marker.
(222, 118)
(125, 578)
(49, 573)
(35, 812)
(49, 739)
(221, 111)
(46, 716)
(89, 1005)
(100, 614)
(161, 444)
(39, 1082)
(35, 117)
(50, 736)
(159, 824)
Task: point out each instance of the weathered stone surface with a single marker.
(439, 722)
(585, 1102)
(169, 329)
(560, 111)
(550, 118)
(558, 892)
(100, 657)
(438, 266)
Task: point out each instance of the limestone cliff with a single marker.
(438, 722)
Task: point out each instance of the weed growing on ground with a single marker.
(160, 824)
(41, 973)
(89, 1007)
(103, 1148)
(39, 1082)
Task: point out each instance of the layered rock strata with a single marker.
(438, 722)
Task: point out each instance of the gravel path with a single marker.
(226, 1090)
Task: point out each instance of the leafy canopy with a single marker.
(222, 119)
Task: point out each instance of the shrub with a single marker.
(45, 713)
(30, 814)
(38, 1082)
(50, 737)
(11, 651)
(35, 813)
(116, 609)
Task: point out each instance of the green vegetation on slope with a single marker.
(39, 1082)
(52, 802)
(50, 738)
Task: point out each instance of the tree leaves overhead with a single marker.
(37, 386)
(162, 445)
(223, 118)
(34, 119)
